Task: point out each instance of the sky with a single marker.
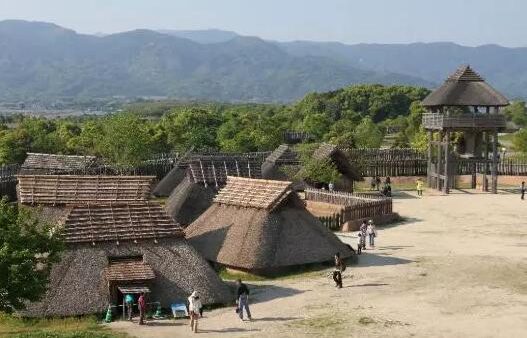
(467, 22)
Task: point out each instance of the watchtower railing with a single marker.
(441, 121)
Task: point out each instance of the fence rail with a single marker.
(354, 207)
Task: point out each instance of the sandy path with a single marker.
(456, 268)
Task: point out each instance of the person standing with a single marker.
(194, 308)
(378, 182)
(337, 273)
(242, 299)
(419, 187)
(129, 302)
(359, 243)
(372, 233)
(522, 190)
(141, 304)
(364, 230)
(331, 186)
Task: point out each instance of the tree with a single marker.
(367, 134)
(319, 171)
(28, 248)
(125, 140)
(519, 141)
(517, 113)
(192, 127)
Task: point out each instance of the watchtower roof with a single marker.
(465, 87)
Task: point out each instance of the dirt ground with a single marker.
(457, 267)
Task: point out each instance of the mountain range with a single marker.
(45, 61)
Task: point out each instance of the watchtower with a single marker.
(466, 105)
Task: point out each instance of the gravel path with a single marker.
(456, 268)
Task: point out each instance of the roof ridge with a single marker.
(465, 73)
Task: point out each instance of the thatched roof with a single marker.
(37, 163)
(465, 88)
(189, 200)
(129, 269)
(254, 193)
(339, 158)
(72, 189)
(135, 221)
(80, 283)
(283, 155)
(170, 181)
(263, 237)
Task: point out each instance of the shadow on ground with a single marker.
(369, 259)
(265, 293)
(229, 329)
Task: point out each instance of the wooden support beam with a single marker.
(446, 180)
(494, 168)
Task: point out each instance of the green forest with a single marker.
(356, 116)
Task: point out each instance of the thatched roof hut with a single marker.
(189, 200)
(262, 226)
(80, 189)
(37, 163)
(117, 245)
(465, 88)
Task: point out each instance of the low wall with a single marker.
(354, 225)
(399, 179)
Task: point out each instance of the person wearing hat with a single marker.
(194, 309)
(372, 233)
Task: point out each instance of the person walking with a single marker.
(364, 231)
(359, 243)
(339, 268)
(242, 299)
(194, 309)
(522, 190)
(372, 233)
(129, 302)
(419, 186)
(141, 304)
(378, 182)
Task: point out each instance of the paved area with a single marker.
(457, 267)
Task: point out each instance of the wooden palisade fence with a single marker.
(354, 207)
(8, 181)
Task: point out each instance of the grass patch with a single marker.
(320, 323)
(303, 271)
(73, 327)
(366, 321)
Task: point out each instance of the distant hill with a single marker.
(45, 61)
(202, 36)
(504, 68)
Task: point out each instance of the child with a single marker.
(419, 187)
(359, 243)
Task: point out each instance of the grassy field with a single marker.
(83, 327)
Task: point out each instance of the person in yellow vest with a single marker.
(419, 187)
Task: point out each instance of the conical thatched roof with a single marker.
(262, 226)
(189, 200)
(465, 88)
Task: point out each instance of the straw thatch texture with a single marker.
(465, 88)
(263, 241)
(188, 201)
(37, 163)
(79, 284)
(255, 193)
(72, 189)
(283, 155)
(129, 269)
(95, 223)
(170, 182)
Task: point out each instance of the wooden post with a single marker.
(486, 157)
(494, 169)
(429, 168)
(446, 182)
(439, 163)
